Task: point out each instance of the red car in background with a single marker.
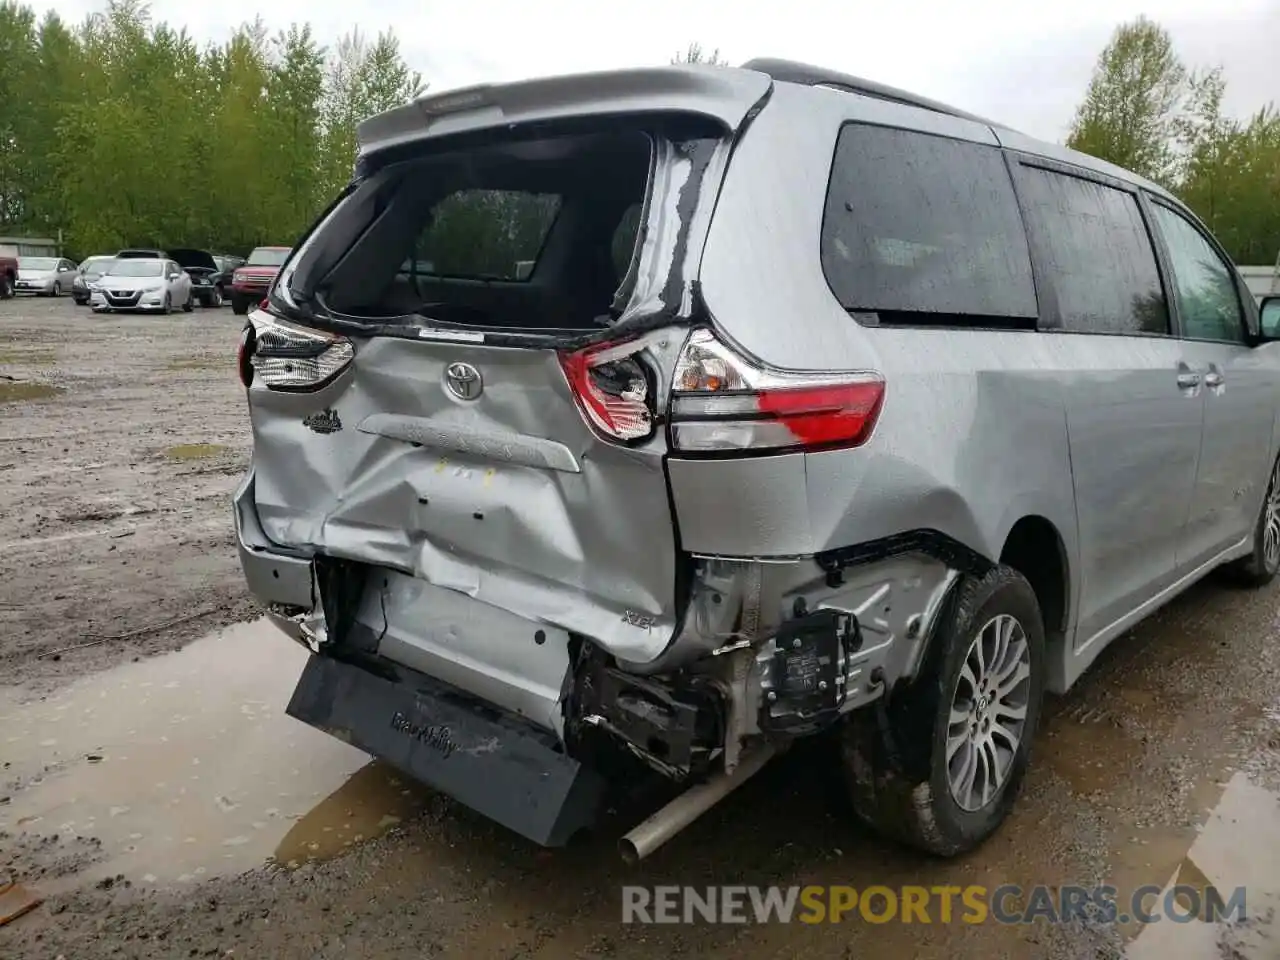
(8, 277)
(250, 283)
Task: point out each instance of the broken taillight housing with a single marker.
(287, 357)
(723, 403)
(613, 389)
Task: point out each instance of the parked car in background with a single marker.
(140, 253)
(251, 282)
(138, 283)
(882, 466)
(8, 276)
(202, 268)
(89, 271)
(45, 276)
(226, 268)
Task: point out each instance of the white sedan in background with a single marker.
(142, 284)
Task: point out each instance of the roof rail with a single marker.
(790, 71)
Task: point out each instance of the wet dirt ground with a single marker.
(121, 437)
(166, 807)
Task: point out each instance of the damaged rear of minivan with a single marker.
(487, 393)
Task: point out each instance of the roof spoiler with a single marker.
(727, 96)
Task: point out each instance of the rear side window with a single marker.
(1093, 248)
(487, 234)
(920, 228)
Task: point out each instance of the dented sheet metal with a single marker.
(429, 492)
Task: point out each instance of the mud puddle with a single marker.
(185, 766)
(12, 391)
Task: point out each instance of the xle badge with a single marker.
(326, 421)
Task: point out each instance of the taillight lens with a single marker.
(721, 402)
(288, 357)
(613, 390)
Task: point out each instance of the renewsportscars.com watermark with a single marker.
(1007, 904)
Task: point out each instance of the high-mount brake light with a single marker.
(612, 387)
(723, 403)
(292, 358)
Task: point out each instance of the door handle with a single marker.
(1213, 377)
(1188, 380)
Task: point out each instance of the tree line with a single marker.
(1146, 110)
(123, 131)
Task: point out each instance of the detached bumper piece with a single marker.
(803, 671)
(493, 762)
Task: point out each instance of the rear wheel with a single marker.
(215, 298)
(1261, 565)
(947, 771)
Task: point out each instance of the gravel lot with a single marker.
(166, 807)
(121, 437)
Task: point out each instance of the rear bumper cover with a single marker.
(276, 576)
(495, 763)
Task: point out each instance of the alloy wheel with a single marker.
(988, 712)
(1271, 522)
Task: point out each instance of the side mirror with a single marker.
(1270, 312)
(174, 276)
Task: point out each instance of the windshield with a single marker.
(96, 265)
(37, 263)
(268, 257)
(137, 268)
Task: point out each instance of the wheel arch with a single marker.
(1035, 546)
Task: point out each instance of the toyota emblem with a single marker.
(463, 381)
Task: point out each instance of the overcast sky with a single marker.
(1023, 64)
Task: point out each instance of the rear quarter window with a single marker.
(924, 229)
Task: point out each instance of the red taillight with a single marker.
(611, 386)
(721, 403)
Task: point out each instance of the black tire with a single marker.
(1255, 570)
(897, 781)
(168, 306)
(217, 298)
(6, 287)
(239, 305)
(190, 304)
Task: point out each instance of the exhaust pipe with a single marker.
(690, 805)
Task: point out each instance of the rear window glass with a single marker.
(486, 234)
(918, 225)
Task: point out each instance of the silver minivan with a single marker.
(633, 426)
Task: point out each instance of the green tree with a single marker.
(1129, 110)
(695, 54)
